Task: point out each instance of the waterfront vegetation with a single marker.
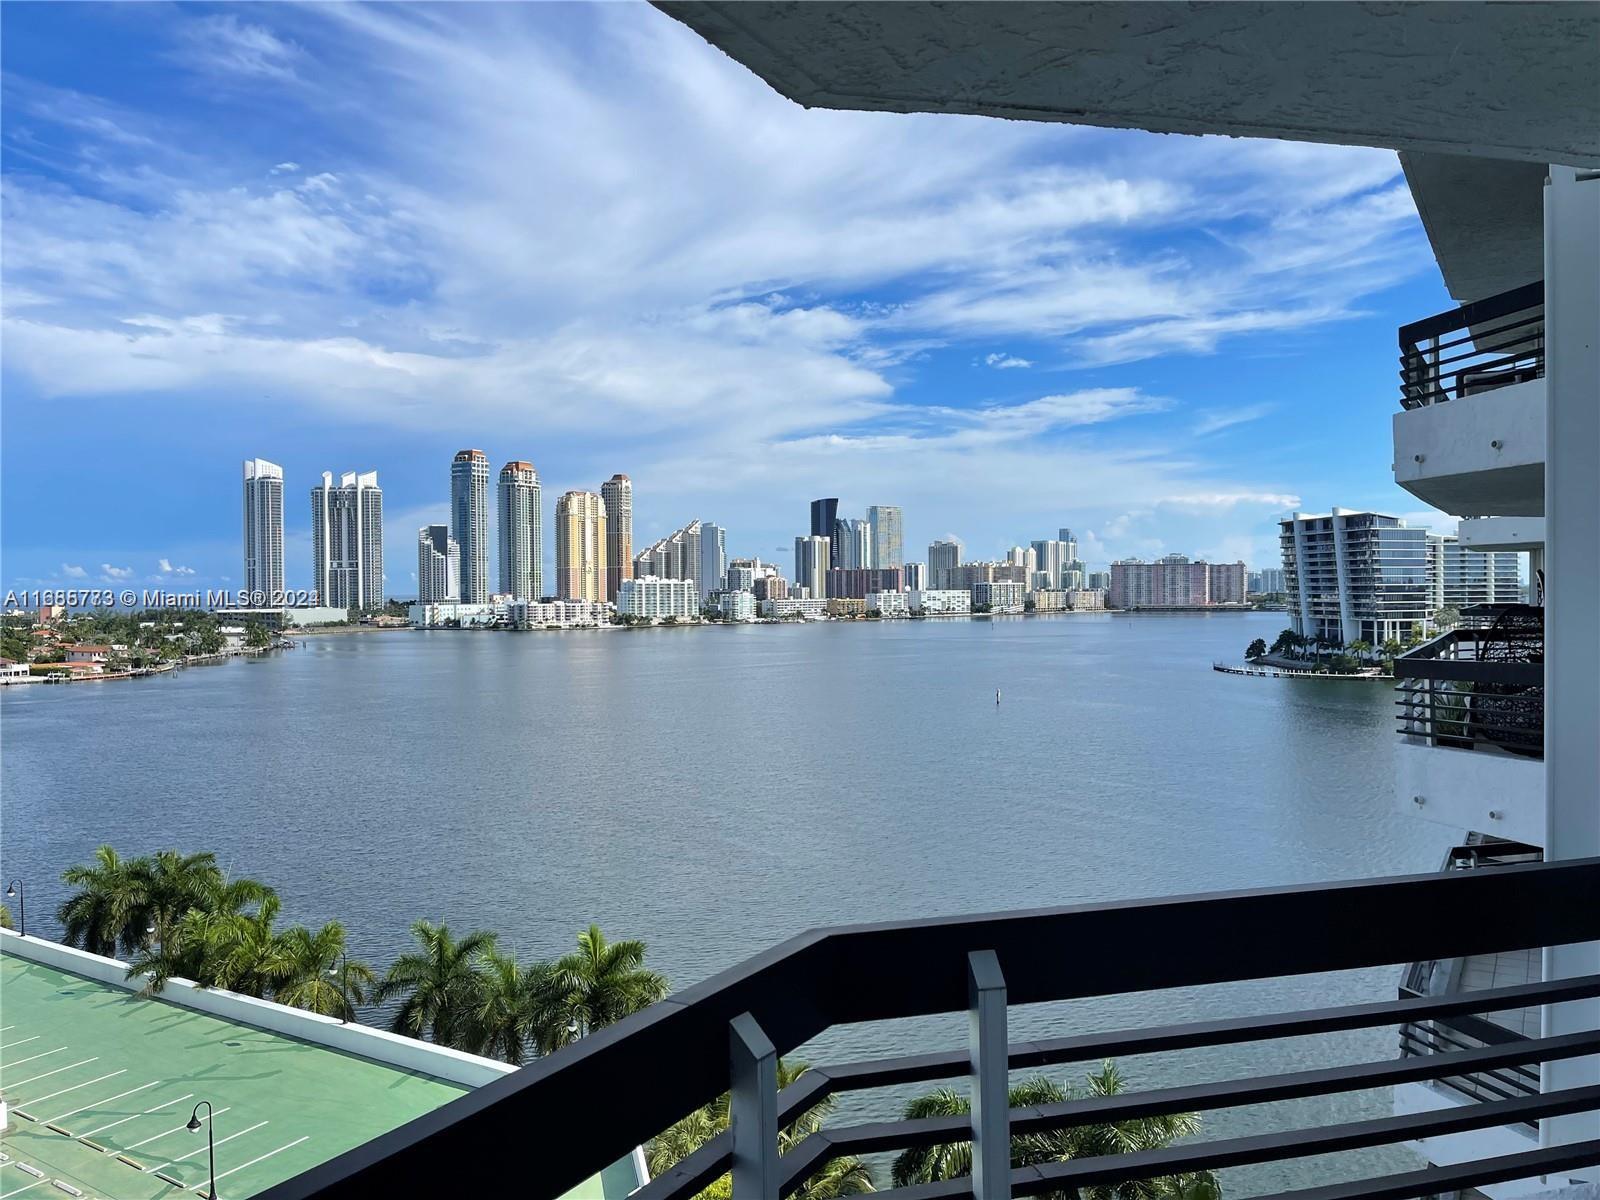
(144, 640)
(1332, 657)
(174, 915)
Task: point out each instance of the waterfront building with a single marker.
(1459, 576)
(888, 542)
(263, 528)
(736, 604)
(459, 613)
(770, 587)
(1354, 576)
(811, 555)
(855, 545)
(943, 558)
(806, 608)
(888, 604)
(856, 583)
(939, 601)
(557, 614)
(438, 565)
(846, 608)
(521, 521)
(580, 546)
(653, 598)
(617, 492)
(824, 517)
(469, 521)
(1173, 581)
(914, 576)
(740, 576)
(676, 556)
(1002, 596)
(347, 540)
(713, 559)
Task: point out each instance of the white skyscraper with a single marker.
(713, 558)
(888, 543)
(263, 527)
(347, 540)
(811, 565)
(469, 522)
(521, 521)
(855, 544)
(438, 565)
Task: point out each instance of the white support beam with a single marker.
(1572, 592)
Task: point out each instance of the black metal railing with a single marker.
(549, 1126)
(1480, 346)
(1478, 688)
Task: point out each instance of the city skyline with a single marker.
(989, 330)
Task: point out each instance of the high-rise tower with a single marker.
(617, 492)
(580, 546)
(469, 521)
(521, 521)
(263, 527)
(347, 540)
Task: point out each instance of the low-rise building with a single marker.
(888, 604)
(559, 614)
(931, 602)
(1069, 600)
(84, 653)
(736, 605)
(451, 614)
(846, 606)
(12, 670)
(804, 607)
(1002, 596)
(652, 598)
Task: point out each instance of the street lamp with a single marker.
(342, 974)
(211, 1144)
(14, 892)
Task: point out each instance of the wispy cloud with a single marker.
(1217, 419)
(110, 572)
(166, 568)
(71, 571)
(225, 45)
(1005, 362)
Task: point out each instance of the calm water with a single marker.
(717, 790)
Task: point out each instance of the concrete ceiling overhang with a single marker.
(1513, 81)
(1484, 219)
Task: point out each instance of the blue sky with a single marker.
(360, 238)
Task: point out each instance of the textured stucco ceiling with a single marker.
(1484, 218)
(1516, 81)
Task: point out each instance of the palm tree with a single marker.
(597, 984)
(215, 941)
(169, 884)
(927, 1164)
(104, 911)
(318, 976)
(439, 983)
(511, 999)
(1360, 648)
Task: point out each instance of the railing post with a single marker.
(991, 1106)
(753, 1109)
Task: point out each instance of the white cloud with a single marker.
(1005, 362)
(168, 569)
(111, 572)
(284, 168)
(73, 572)
(226, 46)
(1226, 500)
(1217, 419)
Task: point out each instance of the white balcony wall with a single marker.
(1482, 790)
(1477, 456)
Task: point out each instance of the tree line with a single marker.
(173, 915)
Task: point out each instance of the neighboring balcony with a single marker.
(1470, 437)
(1471, 711)
(1475, 977)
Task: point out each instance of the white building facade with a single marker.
(263, 529)
(651, 598)
(1355, 576)
(438, 565)
(347, 540)
(939, 601)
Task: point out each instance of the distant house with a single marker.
(12, 670)
(84, 653)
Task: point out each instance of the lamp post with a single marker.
(211, 1143)
(14, 892)
(342, 974)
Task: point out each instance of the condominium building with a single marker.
(1174, 581)
(347, 540)
(940, 601)
(889, 604)
(888, 541)
(521, 521)
(914, 575)
(679, 555)
(790, 607)
(713, 559)
(824, 516)
(469, 521)
(652, 598)
(580, 546)
(854, 538)
(856, 583)
(438, 565)
(617, 492)
(1459, 576)
(263, 528)
(1001, 596)
(737, 604)
(811, 565)
(943, 558)
(770, 587)
(1068, 600)
(1266, 582)
(1355, 576)
(557, 614)
(1097, 581)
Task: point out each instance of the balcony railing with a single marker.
(1478, 688)
(1448, 1033)
(1483, 345)
(544, 1129)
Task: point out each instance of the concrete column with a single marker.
(1572, 592)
